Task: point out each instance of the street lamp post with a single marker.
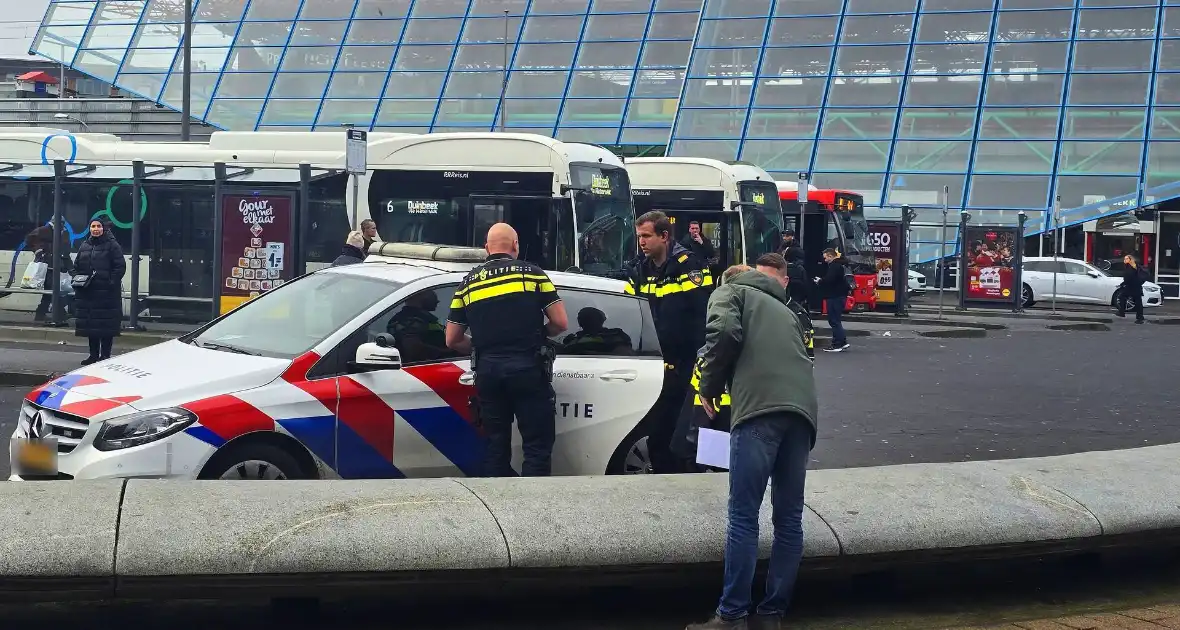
(187, 79)
(1056, 247)
(65, 116)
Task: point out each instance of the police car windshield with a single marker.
(296, 317)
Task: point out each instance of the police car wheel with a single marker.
(253, 462)
(631, 457)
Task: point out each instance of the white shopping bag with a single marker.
(34, 277)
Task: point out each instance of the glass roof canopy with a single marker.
(1008, 103)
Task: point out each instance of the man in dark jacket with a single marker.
(1132, 288)
(801, 287)
(698, 243)
(353, 251)
(755, 349)
(833, 289)
(676, 284)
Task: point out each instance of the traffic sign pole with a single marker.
(356, 156)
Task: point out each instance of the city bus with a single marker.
(735, 203)
(833, 219)
(569, 202)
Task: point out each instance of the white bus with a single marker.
(735, 203)
(570, 203)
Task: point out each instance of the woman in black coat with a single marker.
(99, 304)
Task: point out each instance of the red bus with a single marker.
(835, 219)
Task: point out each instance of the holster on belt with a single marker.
(547, 353)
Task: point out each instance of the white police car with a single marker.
(343, 373)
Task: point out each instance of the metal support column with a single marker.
(902, 291)
(946, 194)
(137, 177)
(54, 276)
(302, 222)
(964, 219)
(1056, 218)
(186, 90)
(219, 178)
(1018, 266)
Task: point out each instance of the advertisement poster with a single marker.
(891, 270)
(989, 263)
(255, 241)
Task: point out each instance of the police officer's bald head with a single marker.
(502, 239)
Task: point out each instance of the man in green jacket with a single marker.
(773, 416)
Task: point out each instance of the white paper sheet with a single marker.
(713, 448)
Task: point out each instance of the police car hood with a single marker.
(158, 377)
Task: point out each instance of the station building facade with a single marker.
(1009, 105)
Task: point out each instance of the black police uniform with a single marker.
(502, 303)
(678, 293)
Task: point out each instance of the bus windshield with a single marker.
(763, 218)
(857, 249)
(605, 217)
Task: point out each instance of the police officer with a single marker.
(677, 285)
(504, 303)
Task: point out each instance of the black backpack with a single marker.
(1143, 275)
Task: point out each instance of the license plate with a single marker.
(34, 456)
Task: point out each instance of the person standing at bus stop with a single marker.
(834, 290)
(504, 303)
(98, 284)
(677, 285)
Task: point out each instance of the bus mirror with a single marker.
(566, 189)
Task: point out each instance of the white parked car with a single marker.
(1077, 281)
(917, 282)
(342, 373)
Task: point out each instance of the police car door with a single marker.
(430, 431)
(607, 375)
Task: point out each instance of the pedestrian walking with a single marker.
(676, 284)
(773, 416)
(353, 251)
(40, 243)
(1131, 290)
(505, 303)
(834, 290)
(98, 287)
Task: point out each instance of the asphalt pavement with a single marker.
(899, 399)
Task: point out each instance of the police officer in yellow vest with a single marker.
(677, 285)
(505, 303)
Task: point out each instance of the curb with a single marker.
(333, 536)
(924, 321)
(957, 333)
(15, 378)
(1024, 315)
(1092, 326)
(47, 334)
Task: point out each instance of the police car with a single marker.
(343, 373)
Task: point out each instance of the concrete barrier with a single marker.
(126, 539)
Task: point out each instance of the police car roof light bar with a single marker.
(428, 251)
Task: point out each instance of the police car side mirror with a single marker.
(372, 357)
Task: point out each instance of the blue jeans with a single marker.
(835, 313)
(771, 448)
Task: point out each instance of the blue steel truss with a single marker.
(1112, 150)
